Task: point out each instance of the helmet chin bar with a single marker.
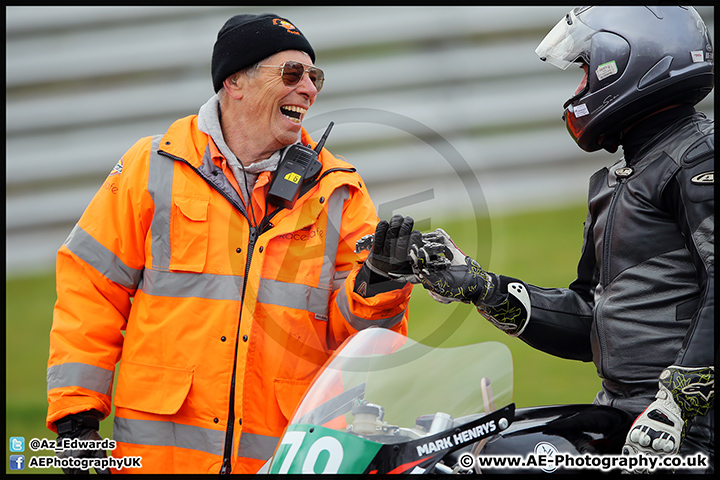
(607, 141)
(610, 142)
(568, 111)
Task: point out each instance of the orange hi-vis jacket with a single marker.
(220, 315)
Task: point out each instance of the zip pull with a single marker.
(624, 172)
(265, 225)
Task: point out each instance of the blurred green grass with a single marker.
(540, 247)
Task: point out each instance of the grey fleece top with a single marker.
(209, 123)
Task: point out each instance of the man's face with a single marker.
(274, 111)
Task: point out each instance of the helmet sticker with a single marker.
(697, 56)
(606, 70)
(580, 110)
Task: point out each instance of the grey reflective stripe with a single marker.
(359, 323)
(339, 279)
(184, 285)
(168, 434)
(260, 447)
(336, 202)
(304, 297)
(294, 295)
(159, 281)
(103, 260)
(160, 180)
(73, 374)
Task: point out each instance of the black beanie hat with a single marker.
(246, 39)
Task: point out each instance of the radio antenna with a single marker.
(321, 143)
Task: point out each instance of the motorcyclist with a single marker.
(642, 305)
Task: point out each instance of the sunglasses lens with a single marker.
(293, 72)
(317, 77)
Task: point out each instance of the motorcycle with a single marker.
(387, 404)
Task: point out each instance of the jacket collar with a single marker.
(184, 140)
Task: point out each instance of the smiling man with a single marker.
(219, 303)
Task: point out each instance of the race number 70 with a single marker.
(328, 444)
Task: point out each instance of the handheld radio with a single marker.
(299, 165)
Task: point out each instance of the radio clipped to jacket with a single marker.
(299, 165)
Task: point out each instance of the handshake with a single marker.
(401, 254)
(399, 261)
(405, 255)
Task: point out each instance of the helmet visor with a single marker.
(567, 42)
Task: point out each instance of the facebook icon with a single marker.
(17, 462)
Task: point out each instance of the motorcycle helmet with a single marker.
(637, 60)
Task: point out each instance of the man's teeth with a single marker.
(293, 112)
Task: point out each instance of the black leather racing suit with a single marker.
(644, 295)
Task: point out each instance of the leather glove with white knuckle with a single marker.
(80, 426)
(388, 266)
(451, 276)
(683, 394)
(447, 273)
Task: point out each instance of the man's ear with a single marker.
(234, 85)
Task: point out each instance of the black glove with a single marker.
(83, 426)
(388, 263)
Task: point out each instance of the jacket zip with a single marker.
(255, 232)
(608, 232)
(229, 433)
(607, 235)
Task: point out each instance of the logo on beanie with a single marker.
(286, 25)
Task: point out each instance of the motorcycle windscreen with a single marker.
(383, 388)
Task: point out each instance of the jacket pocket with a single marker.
(189, 233)
(152, 388)
(289, 393)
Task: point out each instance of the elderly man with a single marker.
(220, 300)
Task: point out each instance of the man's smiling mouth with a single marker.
(293, 112)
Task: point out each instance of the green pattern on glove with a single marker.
(505, 316)
(466, 283)
(693, 389)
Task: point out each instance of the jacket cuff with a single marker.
(382, 304)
